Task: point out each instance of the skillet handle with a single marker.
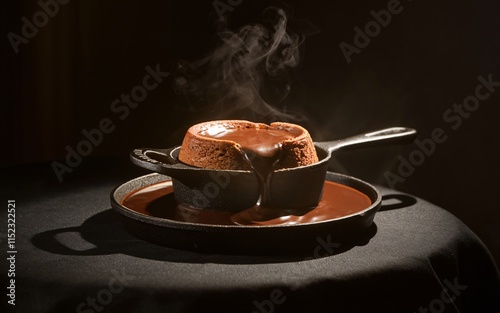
(157, 160)
(387, 136)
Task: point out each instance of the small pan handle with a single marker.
(388, 136)
(158, 160)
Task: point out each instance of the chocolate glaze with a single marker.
(157, 200)
(260, 148)
(264, 142)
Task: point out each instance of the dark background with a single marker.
(428, 58)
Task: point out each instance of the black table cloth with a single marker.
(73, 255)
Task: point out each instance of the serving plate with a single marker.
(153, 226)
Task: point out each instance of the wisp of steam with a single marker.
(248, 74)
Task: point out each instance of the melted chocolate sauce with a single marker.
(264, 142)
(260, 148)
(157, 200)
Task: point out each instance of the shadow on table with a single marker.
(396, 201)
(105, 232)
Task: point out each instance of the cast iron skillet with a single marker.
(235, 190)
(318, 238)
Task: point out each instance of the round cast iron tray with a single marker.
(248, 240)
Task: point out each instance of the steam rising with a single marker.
(248, 66)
